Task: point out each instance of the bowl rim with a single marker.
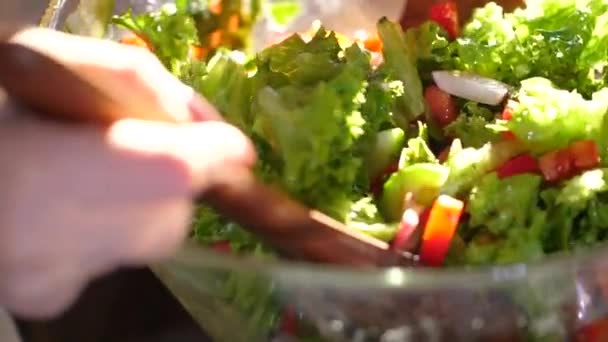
(194, 255)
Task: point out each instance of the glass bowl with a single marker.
(562, 298)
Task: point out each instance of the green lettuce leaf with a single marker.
(501, 204)
(400, 60)
(471, 126)
(547, 118)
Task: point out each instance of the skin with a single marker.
(78, 201)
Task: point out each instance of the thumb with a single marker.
(202, 148)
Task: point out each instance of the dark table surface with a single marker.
(127, 306)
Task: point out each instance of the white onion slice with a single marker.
(471, 87)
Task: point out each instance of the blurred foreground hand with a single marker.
(78, 201)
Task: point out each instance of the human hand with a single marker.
(80, 200)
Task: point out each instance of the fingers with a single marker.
(130, 75)
(80, 201)
(203, 147)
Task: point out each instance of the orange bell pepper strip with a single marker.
(439, 230)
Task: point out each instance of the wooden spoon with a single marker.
(52, 90)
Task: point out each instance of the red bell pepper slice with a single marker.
(446, 15)
(440, 229)
(521, 164)
(596, 331)
(556, 166)
(585, 155)
(222, 246)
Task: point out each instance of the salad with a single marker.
(469, 145)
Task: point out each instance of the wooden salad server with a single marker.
(53, 90)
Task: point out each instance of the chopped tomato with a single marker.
(596, 331)
(446, 15)
(289, 322)
(556, 166)
(521, 164)
(585, 155)
(135, 40)
(440, 229)
(222, 246)
(442, 105)
(508, 135)
(507, 114)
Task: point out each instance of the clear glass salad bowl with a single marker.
(563, 298)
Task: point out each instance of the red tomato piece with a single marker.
(507, 114)
(446, 15)
(521, 164)
(556, 166)
(585, 155)
(508, 135)
(222, 246)
(289, 322)
(442, 105)
(596, 331)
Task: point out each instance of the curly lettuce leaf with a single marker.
(575, 216)
(170, 32)
(468, 165)
(500, 204)
(547, 118)
(471, 126)
(544, 40)
(400, 59)
(431, 48)
(319, 122)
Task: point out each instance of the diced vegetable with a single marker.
(222, 247)
(135, 40)
(441, 105)
(556, 166)
(471, 87)
(565, 163)
(385, 152)
(521, 164)
(422, 180)
(409, 224)
(585, 154)
(446, 15)
(372, 42)
(468, 165)
(289, 322)
(596, 331)
(440, 229)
